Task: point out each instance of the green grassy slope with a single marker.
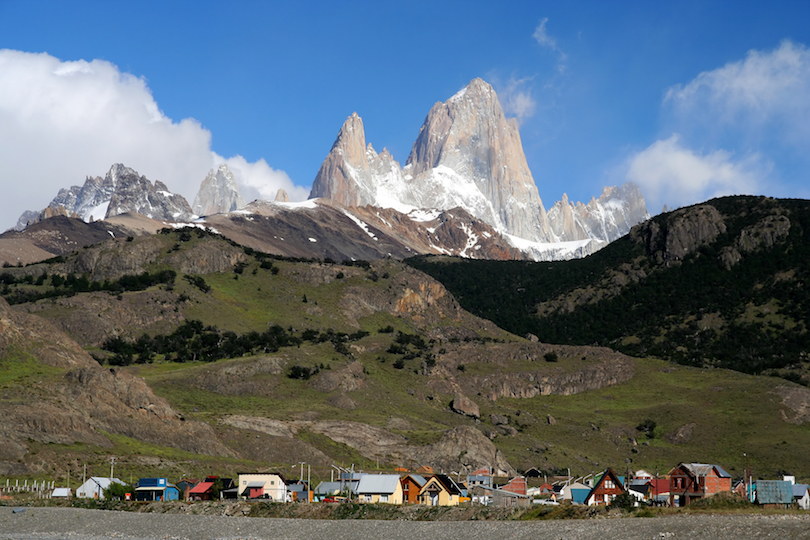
(732, 413)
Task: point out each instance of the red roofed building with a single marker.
(516, 485)
(201, 492)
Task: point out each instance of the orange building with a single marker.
(411, 485)
(691, 481)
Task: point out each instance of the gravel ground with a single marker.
(78, 524)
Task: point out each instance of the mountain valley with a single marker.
(250, 358)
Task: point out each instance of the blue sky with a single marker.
(688, 99)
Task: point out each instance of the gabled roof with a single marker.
(617, 481)
(378, 483)
(448, 484)
(704, 469)
(532, 473)
(799, 490)
(201, 488)
(418, 479)
(102, 481)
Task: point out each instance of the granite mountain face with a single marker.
(120, 191)
(469, 155)
(466, 169)
(218, 194)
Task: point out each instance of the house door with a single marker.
(434, 499)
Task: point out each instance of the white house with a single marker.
(94, 487)
(801, 494)
(262, 486)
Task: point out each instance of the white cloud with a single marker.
(260, 181)
(517, 99)
(765, 95)
(61, 121)
(542, 37)
(669, 173)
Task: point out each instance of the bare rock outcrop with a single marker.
(463, 449)
(682, 435)
(71, 398)
(762, 235)
(464, 405)
(346, 378)
(796, 400)
(683, 233)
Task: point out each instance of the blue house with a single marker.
(156, 489)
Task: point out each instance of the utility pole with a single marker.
(112, 467)
(747, 479)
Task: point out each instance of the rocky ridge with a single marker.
(120, 191)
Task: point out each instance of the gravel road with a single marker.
(78, 524)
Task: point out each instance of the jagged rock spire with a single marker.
(218, 194)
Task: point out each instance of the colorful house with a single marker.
(201, 492)
(380, 488)
(411, 486)
(156, 489)
(440, 490)
(691, 481)
(606, 488)
(576, 493)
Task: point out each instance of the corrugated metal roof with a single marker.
(255, 484)
(419, 479)
(378, 483)
(774, 492)
(704, 469)
(800, 489)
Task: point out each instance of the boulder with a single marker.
(464, 405)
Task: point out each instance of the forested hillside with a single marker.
(718, 284)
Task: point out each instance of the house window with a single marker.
(367, 498)
(383, 498)
(609, 484)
